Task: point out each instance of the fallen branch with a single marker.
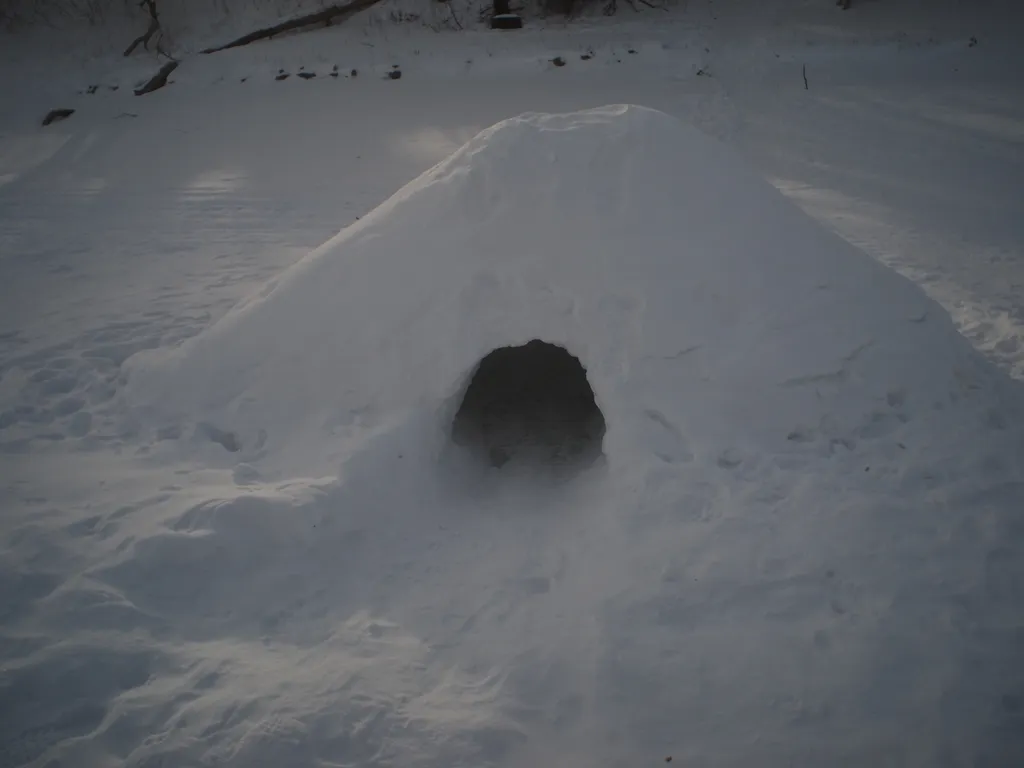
(632, 4)
(805, 77)
(57, 114)
(154, 27)
(325, 16)
(159, 80)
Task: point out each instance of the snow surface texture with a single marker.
(785, 555)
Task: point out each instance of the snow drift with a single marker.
(802, 545)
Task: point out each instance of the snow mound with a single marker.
(703, 305)
(802, 544)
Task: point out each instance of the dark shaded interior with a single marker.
(530, 404)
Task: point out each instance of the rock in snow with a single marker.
(796, 549)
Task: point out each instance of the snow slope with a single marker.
(787, 556)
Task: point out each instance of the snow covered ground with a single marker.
(803, 545)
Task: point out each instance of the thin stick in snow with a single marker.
(454, 17)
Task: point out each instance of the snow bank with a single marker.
(703, 305)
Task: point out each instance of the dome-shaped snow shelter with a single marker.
(702, 303)
(801, 547)
(530, 402)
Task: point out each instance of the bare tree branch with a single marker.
(154, 27)
(320, 17)
(454, 17)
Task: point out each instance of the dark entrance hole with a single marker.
(530, 404)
